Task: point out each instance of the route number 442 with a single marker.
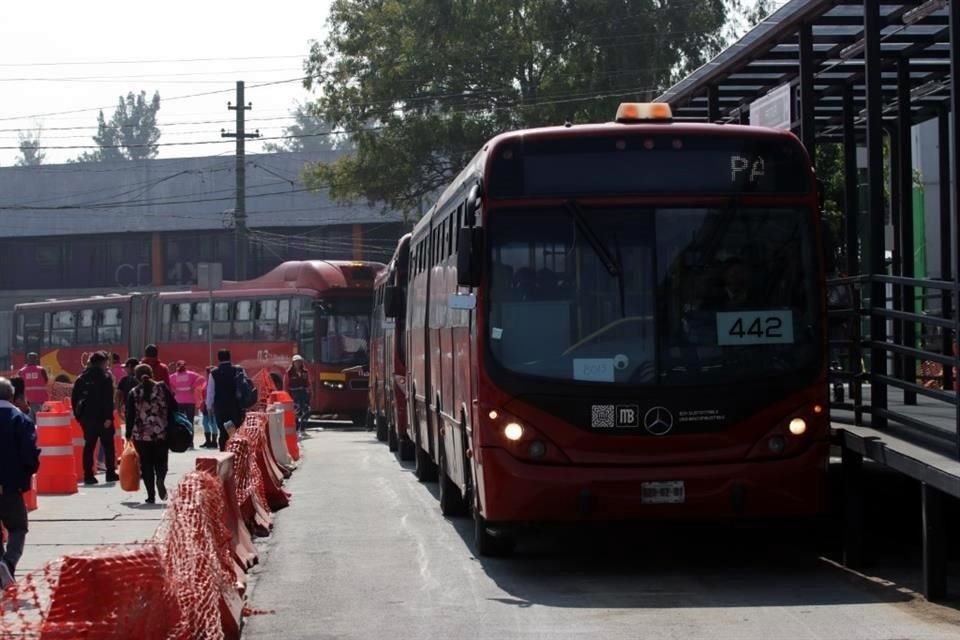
(742, 328)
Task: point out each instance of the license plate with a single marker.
(672, 492)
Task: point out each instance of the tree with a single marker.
(132, 132)
(421, 84)
(31, 154)
(309, 133)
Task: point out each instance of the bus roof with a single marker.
(319, 275)
(477, 165)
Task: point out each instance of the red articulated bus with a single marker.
(388, 368)
(319, 309)
(621, 321)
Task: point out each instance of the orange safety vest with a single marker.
(35, 383)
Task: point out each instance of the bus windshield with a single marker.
(343, 331)
(646, 295)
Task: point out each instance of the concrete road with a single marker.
(364, 553)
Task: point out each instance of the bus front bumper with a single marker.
(519, 492)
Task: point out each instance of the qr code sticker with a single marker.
(603, 416)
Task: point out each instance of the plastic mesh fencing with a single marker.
(182, 584)
(265, 386)
(59, 390)
(196, 544)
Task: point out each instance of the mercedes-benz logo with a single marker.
(658, 421)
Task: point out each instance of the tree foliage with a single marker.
(31, 153)
(309, 133)
(132, 132)
(421, 84)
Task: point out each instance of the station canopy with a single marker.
(767, 60)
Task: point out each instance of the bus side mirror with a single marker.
(469, 257)
(390, 301)
(473, 205)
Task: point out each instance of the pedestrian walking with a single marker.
(227, 389)
(117, 369)
(209, 421)
(19, 460)
(92, 400)
(149, 408)
(35, 378)
(126, 382)
(20, 398)
(297, 383)
(151, 356)
(185, 384)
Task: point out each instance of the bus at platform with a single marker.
(388, 369)
(621, 321)
(318, 309)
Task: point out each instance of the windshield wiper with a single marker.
(611, 263)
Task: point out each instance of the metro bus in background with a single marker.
(318, 309)
(388, 369)
(621, 321)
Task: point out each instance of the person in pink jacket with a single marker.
(185, 384)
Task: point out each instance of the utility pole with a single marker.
(240, 210)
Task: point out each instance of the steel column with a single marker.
(897, 257)
(907, 250)
(875, 228)
(934, 543)
(954, 184)
(946, 265)
(807, 96)
(851, 188)
(713, 103)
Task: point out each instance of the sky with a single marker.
(65, 56)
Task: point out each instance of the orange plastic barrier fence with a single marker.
(57, 474)
(251, 496)
(188, 582)
(221, 465)
(254, 429)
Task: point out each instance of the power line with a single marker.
(145, 61)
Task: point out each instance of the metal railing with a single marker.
(919, 359)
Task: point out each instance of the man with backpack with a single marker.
(92, 400)
(19, 460)
(229, 394)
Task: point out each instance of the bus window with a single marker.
(85, 326)
(243, 320)
(283, 319)
(30, 331)
(307, 342)
(201, 321)
(180, 322)
(344, 338)
(63, 325)
(221, 320)
(266, 320)
(109, 326)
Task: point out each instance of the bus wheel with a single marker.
(404, 449)
(424, 469)
(392, 438)
(491, 542)
(451, 500)
(381, 429)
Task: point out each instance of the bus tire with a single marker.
(452, 503)
(381, 429)
(492, 545)
(405, 449)
(424, 468)
(392, 438)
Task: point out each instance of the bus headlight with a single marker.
(513, 431)
(798, 426)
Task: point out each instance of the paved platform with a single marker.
(97, 515)
(365, 553)
(940, 416)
